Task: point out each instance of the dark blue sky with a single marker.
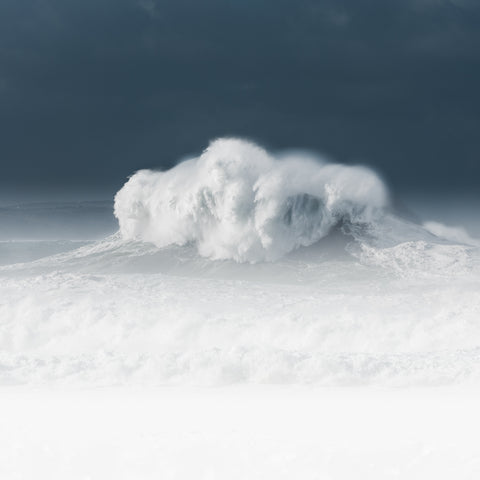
(91, 90)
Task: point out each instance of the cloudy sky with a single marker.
(92, 90)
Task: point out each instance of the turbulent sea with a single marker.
(238, 267)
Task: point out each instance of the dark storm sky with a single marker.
(91, 90)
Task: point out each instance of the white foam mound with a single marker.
(238, 201)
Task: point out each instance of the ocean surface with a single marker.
(242, 315)
(291, 284)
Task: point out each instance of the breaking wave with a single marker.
(237, 201)
(243, 267)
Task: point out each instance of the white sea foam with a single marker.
(237, 201)
(127, 312)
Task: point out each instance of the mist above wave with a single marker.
(238, 201)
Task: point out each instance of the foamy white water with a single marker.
(237, 201)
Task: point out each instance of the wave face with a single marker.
(237, 201)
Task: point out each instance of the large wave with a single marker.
(238, 201)
(372, 297)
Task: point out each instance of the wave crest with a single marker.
(238, 201)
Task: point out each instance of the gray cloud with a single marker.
(99, 88)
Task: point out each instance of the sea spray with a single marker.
(237, 201)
